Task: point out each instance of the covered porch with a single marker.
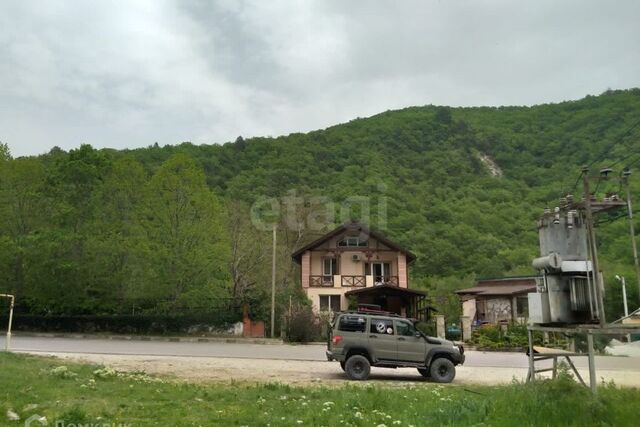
(402, 301)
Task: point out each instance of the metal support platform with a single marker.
(543, 353)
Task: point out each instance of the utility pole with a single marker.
(624, 299)
(625, 178)
(7, 344)
(594, 250)
(273, 284)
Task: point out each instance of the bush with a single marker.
(303, 325)
(427, 328)
(493, 337)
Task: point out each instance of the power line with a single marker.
(624, 158)
(628, 165)
(614, 143)
(604, 153)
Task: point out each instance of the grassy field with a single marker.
(84, 394)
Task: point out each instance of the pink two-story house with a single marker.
(354, 262)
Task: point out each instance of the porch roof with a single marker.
(505, 286)
(387, 290)
(297, 255)
(498, 290)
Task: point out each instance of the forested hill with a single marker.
(92, 230)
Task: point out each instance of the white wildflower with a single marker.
(62, 372)
(12, 416)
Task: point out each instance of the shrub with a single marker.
(302, 325)
(427, 328)
(493, 337)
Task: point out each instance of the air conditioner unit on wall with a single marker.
(356, 257)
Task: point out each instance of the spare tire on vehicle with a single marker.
(357, 367)
(442, 370)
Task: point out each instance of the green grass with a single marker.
(80, 394)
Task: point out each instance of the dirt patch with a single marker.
(210, 369)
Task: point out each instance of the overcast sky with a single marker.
(130, 73)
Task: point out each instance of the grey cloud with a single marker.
(127, 74)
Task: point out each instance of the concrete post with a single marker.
(592, 364)
(440, 332)
(465, 327)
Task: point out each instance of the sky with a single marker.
(126, 74)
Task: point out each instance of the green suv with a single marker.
(359, 340)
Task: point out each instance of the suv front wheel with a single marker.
(357, 367)
(442, 370)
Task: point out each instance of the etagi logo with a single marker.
(36, 420)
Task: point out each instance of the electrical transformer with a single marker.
(566, 290)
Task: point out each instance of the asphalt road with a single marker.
(263, 351)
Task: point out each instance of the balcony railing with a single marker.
(321, 281)
(354, 281)
(385, 280)
(350, 281)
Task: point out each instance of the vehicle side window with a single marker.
(405, 329)
(349, 323)
(381, 326)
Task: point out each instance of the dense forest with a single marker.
(186, 227)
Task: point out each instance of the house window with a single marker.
(329, 268)
(522, 306)
(353, 241)
(330, 303)
(381, 272)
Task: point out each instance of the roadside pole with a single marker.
(12, 299)
(624, 297)
(593, 383)
(624, 300)
(273, 285)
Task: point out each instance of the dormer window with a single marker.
(353, 241)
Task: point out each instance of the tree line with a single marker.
(168, 229)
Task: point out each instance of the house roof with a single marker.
(502, 286)
(388, 290)
(353, 226)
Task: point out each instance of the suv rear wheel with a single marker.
(442, 370)
(357, 367)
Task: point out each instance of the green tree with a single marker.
(188, 246)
